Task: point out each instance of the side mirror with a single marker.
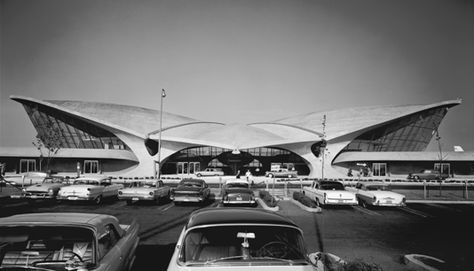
(151, 146)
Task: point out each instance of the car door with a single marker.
(110, 250)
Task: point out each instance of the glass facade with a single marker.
(411, 133)
(75, 133)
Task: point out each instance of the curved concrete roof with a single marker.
(302, 128)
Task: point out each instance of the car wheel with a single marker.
(98, 200)
(317, 203)
(270, 175)
(129, 202)
(417, 178)
(363, 203)
(199, 175)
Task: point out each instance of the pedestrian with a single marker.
(248, 174)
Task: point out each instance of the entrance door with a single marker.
(379, 169)
(187, 167)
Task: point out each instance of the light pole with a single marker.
(163, 95)
(323, 147)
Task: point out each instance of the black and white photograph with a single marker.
(189, 135)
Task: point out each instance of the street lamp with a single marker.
(163, 95)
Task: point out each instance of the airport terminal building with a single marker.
(381, 141)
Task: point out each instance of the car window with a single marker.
(213, 243)
(108, 240)
(332, 186)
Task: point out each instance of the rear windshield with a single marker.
(222, 245)
(332, 186)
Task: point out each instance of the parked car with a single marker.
(48, 189)
(90, 188)
(145, 191)
(242, 238)
(377, 194)
(428, 174)
(238, 192)
(210, 172)
(329, 193)
(282, 173)
(191, 190)
(66, 241)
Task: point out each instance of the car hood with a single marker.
(43, 187)
(270, 267)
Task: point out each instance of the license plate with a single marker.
(340, 201)
(239, 198)
(73, 198)
(135, 199)
(34, 197)
(389, 202)
(186, 199)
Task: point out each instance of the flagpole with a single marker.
(163, 95)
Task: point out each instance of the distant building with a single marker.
(108, 138)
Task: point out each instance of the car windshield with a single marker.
(51, 248)
(191, 184)
(224, 245)
(86, 181)
(52, 180)
(237, 185)
(332, 186)
(378, 187)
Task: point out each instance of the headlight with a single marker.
(120, 192)
(151, 193)
(50, 191)
(23, 190)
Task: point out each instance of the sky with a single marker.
(239, 61)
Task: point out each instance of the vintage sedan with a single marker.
(377, 194)
(191, 190)
(243, 238)
(66, 241)
(153, 190)
(237, 192)
(90, 188)
(48, 189)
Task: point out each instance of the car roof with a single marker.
(374, 183)
(93, 177)
(329, 182)
(213, 216)
(96, 221)
(236, 181)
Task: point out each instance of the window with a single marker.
(379, 169)
(27, 165)
(91, 166)
(445, 168)
(108, 240)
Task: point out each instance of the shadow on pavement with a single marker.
(153, 257)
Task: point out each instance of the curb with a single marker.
(413, 263)
(266, 207)
(306, 208)
(440, 201)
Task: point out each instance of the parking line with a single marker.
(366, 211)
(166, 207)
(415, 212)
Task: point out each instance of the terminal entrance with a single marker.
(256, 160)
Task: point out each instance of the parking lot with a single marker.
(380, 236)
